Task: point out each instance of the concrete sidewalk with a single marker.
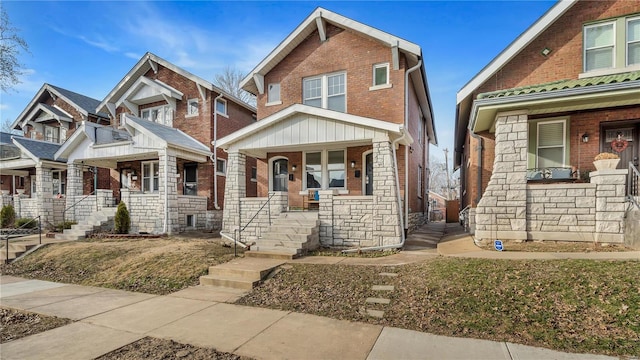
(107, 319)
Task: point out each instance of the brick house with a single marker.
(157, 147)
(530, 123)
(344, 127)
(32, 179)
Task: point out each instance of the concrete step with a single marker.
(299, 215)
(245, 269)
(272, 253)
(69, 237)
(286, 229)
(228, 282)
(280, 244)
(295, 222)
(301, 238)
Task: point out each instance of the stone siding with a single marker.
(26, 207)
(416, 219)
(192, 205)
(213, 220)
(251, 207)
(145, 211)
(352, 222)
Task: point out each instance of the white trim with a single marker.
(324, 169)
(153, 164)
(380, 87)
(626, 39)
(197, 112)
(270, 169)
(374, 68)
(564, 139)
(273, 103)
(226, 107)
(613, 45)
(218, 172)
(363, 171)
(514, 48)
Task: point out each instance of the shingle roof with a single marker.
(170, 135)
(41, 149)
(86, 103)
(54, 110)
(562, 85)
(5, 138)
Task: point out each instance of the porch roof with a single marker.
(302, 126)
(36, 149)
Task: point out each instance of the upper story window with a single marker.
(221, 107)
(273, 94)
(633, 41)
(52, 134)
(380, 74)
(162, 114)
(192, 107)
(326, 91)
(599, 46)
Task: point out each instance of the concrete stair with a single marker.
(291, 235)
(15, 251)
(242, 273)
(100, 219)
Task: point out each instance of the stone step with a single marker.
(299, 215)
(228, 282)
(272, 253)
(280, 244)
(286, 229)
(301, 238)
(245, 269)
(295, 222)
(69, 237)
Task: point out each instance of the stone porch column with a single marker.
(325, 215)
(74, 189)
(234, 190)
(610, 204)
(44, 194)
(168, 190)
(387, 227)
(502, 211)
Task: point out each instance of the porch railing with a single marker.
(633, 181)
(20, 232)
(238, 232)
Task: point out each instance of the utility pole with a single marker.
(446, 165)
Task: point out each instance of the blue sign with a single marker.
(498, 245)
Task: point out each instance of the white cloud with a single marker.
(101, 44)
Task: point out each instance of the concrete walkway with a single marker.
(107, 319)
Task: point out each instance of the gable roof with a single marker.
(83, 104)
(36, 149)
(312, 23)
(150, 61)
(515, 47)
(172, 136)
(5, 138)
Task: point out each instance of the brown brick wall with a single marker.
(343, 51)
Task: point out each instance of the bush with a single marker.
(7, 216)
(26, 223)
(122, 220)
(64, 225)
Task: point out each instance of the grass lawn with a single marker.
(567, 305)
(154, 266)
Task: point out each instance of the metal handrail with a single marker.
(76, 203)
(240, 229)
(258, 212)
(633, 184)
(6, 237)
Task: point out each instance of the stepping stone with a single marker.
(378, 301)
(382, 287)
(388, 274)
(375, 313)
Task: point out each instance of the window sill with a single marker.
(221, 114)
(612, 71)
(221, 174)
(274, 103)
(191, 115)
(380, 87)
(254, 180)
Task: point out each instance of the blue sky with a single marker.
(87, 47)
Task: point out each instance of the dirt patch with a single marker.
(155, 266)
(557, 246)
(152, 348)
(567, 305)
(15, 324)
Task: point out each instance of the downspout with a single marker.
(215, 152)
(406, 148)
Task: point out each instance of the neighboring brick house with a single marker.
(344, 120)
(30, 176)
(529, 125)
(157, 145)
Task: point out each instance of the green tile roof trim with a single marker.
(562, 85)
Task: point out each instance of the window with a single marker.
(190, 179)
(599, 46)
(221, 107)
(160, 114)
(313, 170)
(221, 166)
(325, 169)
(150, 177)
(336, 167)
(551, 144)
(633, 41)
(380, 74)
(326, 91)
(52, 134)
(273, 95)
(191, 221)
(192, 107)
(254, 173)
(420, 181)
(59, 182)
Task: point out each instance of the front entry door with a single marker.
(628, 133)
(368, 176)
(280, 175)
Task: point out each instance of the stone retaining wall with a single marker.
(145, 211)
(213, 220)
(416, 219)
(25, 207)
(192, 205)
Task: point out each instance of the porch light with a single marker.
(353, 163)
(293, 168)
(585, 137)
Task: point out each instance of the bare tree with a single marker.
(10, 46)
(229, 81)
(438, 178)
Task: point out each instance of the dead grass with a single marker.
(15, 324)
(154, 266)
(557, 246)
(568, 305)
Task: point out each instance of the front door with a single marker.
(280, 175)
(368, 176)
(622, 140)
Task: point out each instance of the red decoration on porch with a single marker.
(619, 145)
